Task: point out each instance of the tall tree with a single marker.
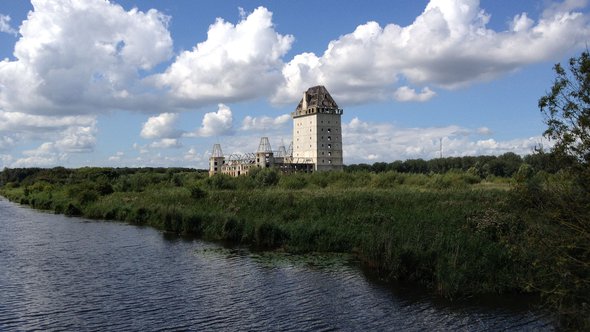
(567, 110)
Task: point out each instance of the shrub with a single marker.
(292, 181)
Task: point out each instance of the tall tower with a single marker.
(317, 130)
(216, 160)
(264, 154)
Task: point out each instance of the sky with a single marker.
(133, 83)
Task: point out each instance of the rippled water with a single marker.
(59, 273)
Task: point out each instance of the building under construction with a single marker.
(316, 145)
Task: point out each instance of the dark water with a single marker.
(59, 273)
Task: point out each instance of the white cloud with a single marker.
(62, 135)
(264, 122)
(5, 25)
(196, 158)
(83, 56)
(236, 62)
(47, 154)
(367, 142)
(77, 139)
(16, 121)
(449, 46)
(6, 142)
(405, 94)
(215, 123)
(166, 143)
(117, 156)
(27, 126)
(161, 126)
(5, 160)
(484, 131)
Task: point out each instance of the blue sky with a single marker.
(157, 83)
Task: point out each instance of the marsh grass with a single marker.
(455, 233)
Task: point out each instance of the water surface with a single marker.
(60, 273)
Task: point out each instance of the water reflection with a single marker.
(63, 273)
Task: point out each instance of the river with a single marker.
(59, 273)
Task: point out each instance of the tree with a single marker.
(567, 110)
(564, 204)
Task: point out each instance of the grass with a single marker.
(454, 233)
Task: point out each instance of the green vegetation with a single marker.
(460, 226)
(454, 232)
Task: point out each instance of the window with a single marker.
(329, 130)
(329, 146)
(329, 161)
(329, 138)
(329, 153)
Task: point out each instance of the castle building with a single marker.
(316, 145)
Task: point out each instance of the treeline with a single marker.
(505, 165)
(62, 175)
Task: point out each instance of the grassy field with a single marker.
(455, 233)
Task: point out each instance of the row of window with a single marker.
(329, 130)
(311, 122)
(329, 146)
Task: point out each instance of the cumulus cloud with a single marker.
(367, 142)
(405, 94)
(64, 134)
(5, 25)
(449, 46)
(215, 123)
(82, 57)
(264, 122)
(47, 154)
(236, 62)
(195, 158)
(6, 142)
(117, 156)
(16, 121)
(161, 126)
(166, 143)
(77, 139)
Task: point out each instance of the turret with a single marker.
(216, 160)
(264, 154)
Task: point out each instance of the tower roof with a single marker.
(317, 96)
(264, 145)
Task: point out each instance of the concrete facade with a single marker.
(316, 145)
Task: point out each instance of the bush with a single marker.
(197, 192)
(292, 181)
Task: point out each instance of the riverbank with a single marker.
(73, 274)
(454, 233)
(413, 230)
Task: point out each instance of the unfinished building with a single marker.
(316, 145)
